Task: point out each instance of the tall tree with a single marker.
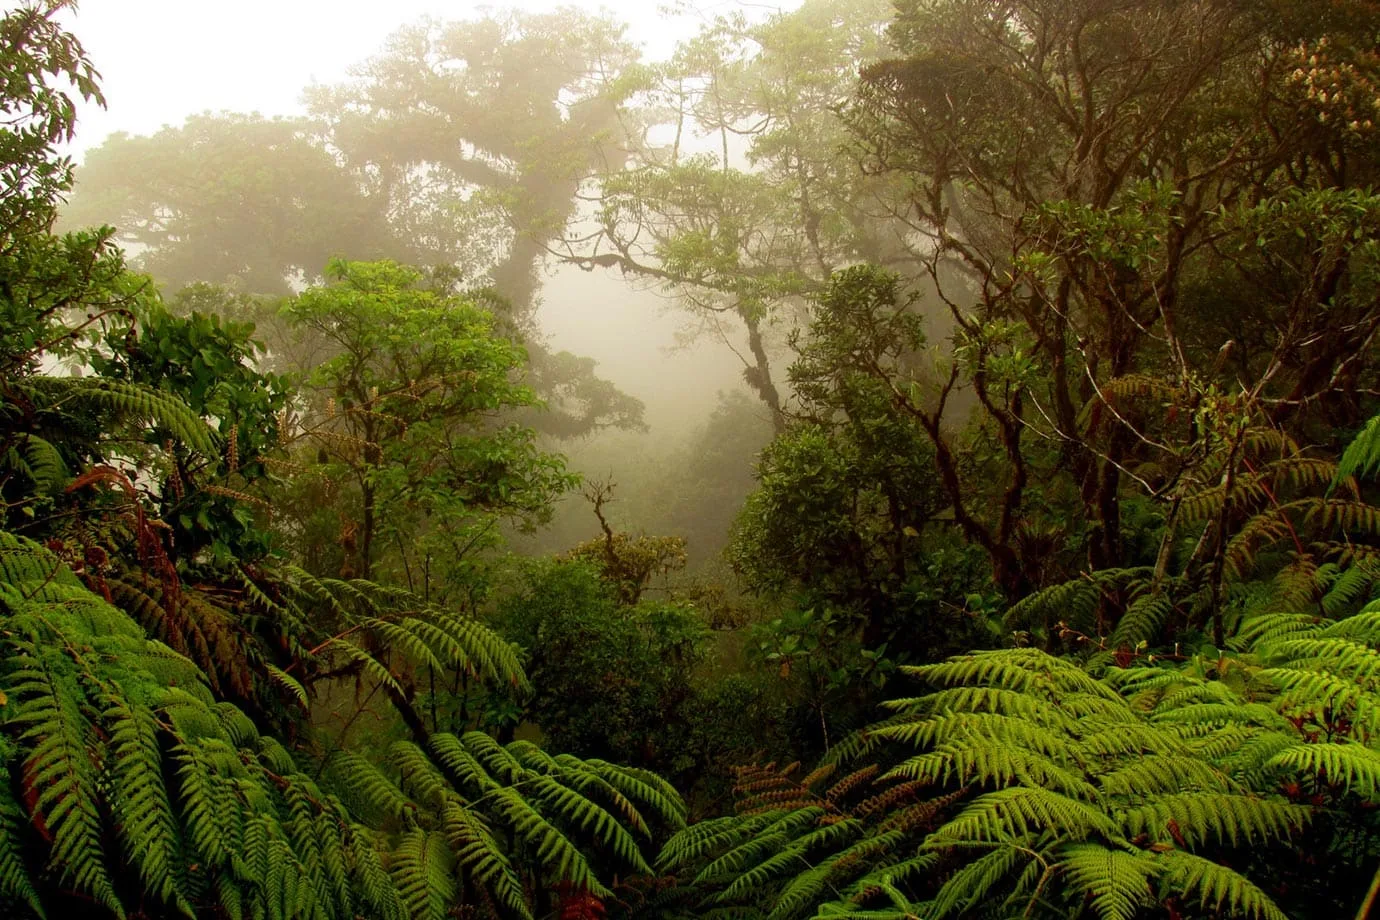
(410, 409)
(749, 194)
(1100, 185)
(498, 120)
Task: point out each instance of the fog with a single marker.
(204, 114)
(164, 60)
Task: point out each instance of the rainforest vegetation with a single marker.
(1032, 571)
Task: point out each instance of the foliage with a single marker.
(227, 198)
(159, 752)
(110, 736)
(1024, 784)
(611, 680)
(847, 512)
(741, 234)
(126, 781)
(1092, 225)
(406, 414)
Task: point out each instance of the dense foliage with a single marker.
(1058, 323)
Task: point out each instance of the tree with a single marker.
(261, 205)
(498, 120)
(156, 751)
(233, 198)
(410, 409)
(745, 242)
(1091, 177)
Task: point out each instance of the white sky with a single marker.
(162, 60)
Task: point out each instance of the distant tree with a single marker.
(232, 198)
(494, 122)
(742, 243)
(420, 159)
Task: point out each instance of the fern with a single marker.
(1362, 456)
(471, 793)
(120, 740)
(1024, 785)
(132, 402)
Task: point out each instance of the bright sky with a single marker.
(162, 60)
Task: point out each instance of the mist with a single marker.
(163, 63)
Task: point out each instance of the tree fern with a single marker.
(165, 415)
(1035, 787)
(112, 739)
(575, 822)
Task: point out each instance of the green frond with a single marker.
(1226, 713)
(774, 832)
(1073, 601)
(1021, 811)
(60, 767)
(1118, 882)
(1364, 627)
(1353, 767)
(1267, 628)
(977, 881)
(15, 882)
(550, 847)
(993, 761)
(130, 401)
(286, 681)
(373, 884)
(1215, 886)
(1156, 774)
(375, 789)
(1039, 726)
(423, 870)
(1143, 620)
(575, 809)
(808, 885)
(420, 778)
(40, 462)
(1196, 818)
(141, 805)
(466, 771)
(480, 855)
(706, 837)
(1362, 456)
(1025, 670)
(372, 668)
(787, 862)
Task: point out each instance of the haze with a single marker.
(162, 61)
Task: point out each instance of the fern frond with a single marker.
(479, 853)
(1195, 818)
(977, 880)
(1362, 456)
(422, 870)
(1118, 882)
(141, 806)
(1353, 767)
(131, 401)
(60, 768)
(15, 881)
(1216, 886)
(1020, 811)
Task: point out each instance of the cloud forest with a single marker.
(1024, 564)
